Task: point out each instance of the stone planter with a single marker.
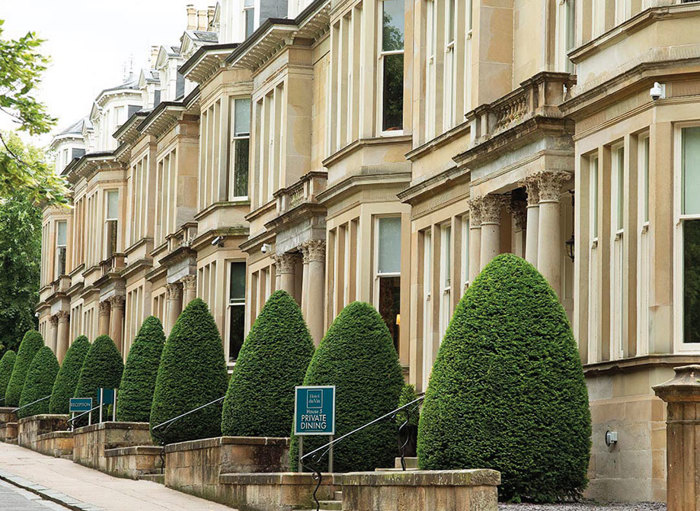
(133, 462)
(273, 492)
(57, 443)
(446, 490)
(194, 467)
(29, 428)
(90, 442)
(7, 414)
(8, 432)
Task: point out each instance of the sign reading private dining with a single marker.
(80, 404)
(314, 410)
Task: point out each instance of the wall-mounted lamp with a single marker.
(610, 438)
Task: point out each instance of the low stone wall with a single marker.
(273, 492)
(135, 461)
(7, 414)
(194, 467)
(29, 428)
(446, 490)
(90, 442)
(8, 432)
(57, 443)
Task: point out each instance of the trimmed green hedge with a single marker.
(408, 395)
(139, 378)
(102, 368)
(272, 361)
(39, 383)
(67, 378)
(357, 355)
(192, 373)
(7, 363)
(507, 390)
(31, 343)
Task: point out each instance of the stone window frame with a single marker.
(381, 59)
(618, 277)
(644, 262)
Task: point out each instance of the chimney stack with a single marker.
(210, 15)
(191, 17)
(202, 16)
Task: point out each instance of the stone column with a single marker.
(62, 340)
(490, 228)
(474, 237)
(189, 286)
(103, 318)
(533, 220)
(53, 332)
(682, 395)
(285, 270)
(518, 210)
(315, 254)
(174, 301)
(549, 244)
(116, 322)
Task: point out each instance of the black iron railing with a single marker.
(314, 458)
(72, 420)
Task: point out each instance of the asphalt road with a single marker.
(16, 499)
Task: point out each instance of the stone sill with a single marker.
(471, 477)
(207, 443)
(113, 425)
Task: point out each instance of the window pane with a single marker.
(242, 117)
(691, 171)
(237, 287)
(691, 281)
(390, 305)
(112, 205)
(241, 149)
(236, 326)
(249, 22)
(447, 256)
(393, 22)
(620, 189)
(646, 180)
(61, 233)
(450, 21)
(389, 245)
(392, 110)
(594, 196)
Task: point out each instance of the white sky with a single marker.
(90, 42)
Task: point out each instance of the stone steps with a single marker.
(156, 478)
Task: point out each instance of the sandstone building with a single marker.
(385, 151)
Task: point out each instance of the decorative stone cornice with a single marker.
(117, 301)
(285, 263)
(549, 184)
(475, 212)
(491, 206)
(314, 251)
(189, 282)
(105, 308)
(174, 291)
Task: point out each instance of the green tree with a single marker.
(192, 373)
(39, 383)
(272, 361)
(357, 355)
(507, 390)
(67, 378)
(140, 372)
(7, 363)
(31, 344)
(20, 257)
(102, 368)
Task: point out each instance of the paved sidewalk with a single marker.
(16, 499)
(94, 488)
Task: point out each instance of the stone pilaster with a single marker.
(116, 321)
(103, 318)
(315, 259)
(174, 303)
(53, 333)
(62, 340)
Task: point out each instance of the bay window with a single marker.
(391, 65)
(690, 216)
(240, 147)
(388, 273)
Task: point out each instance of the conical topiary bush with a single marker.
(272, 361)
(192, 373)
(102, 368)
(507, 390)
(38, 383)
(7, 363)
(357, 355)
(140, 371)
(67, 378)
(31, 343)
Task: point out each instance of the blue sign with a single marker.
(107, 396)
(314, 410)
(80, 404)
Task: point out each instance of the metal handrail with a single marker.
(72, 419)
(318, 454)
(32, 403)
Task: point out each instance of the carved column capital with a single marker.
(533, 191)
(174, 290)
(117, 301)
(285, 263)
(54, 319)
(474, 205)
(518, 208)
(314, 250)
(62, 316)
(491, 208)
(550, 183)
(105, 308)
(189, 282)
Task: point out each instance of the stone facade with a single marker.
(58, 444)
(135, 461)
(273, 492)
(29, 429)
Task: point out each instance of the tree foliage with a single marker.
(507, 390)
(7, 363)
(39, 383)
(357, 355)
(140, 372)
(30, 345)
(102, 368)
(272, 361)
(192, 373)
(67, 378)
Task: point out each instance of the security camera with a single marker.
(265, 248)
(658, 91)
(219, 240)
